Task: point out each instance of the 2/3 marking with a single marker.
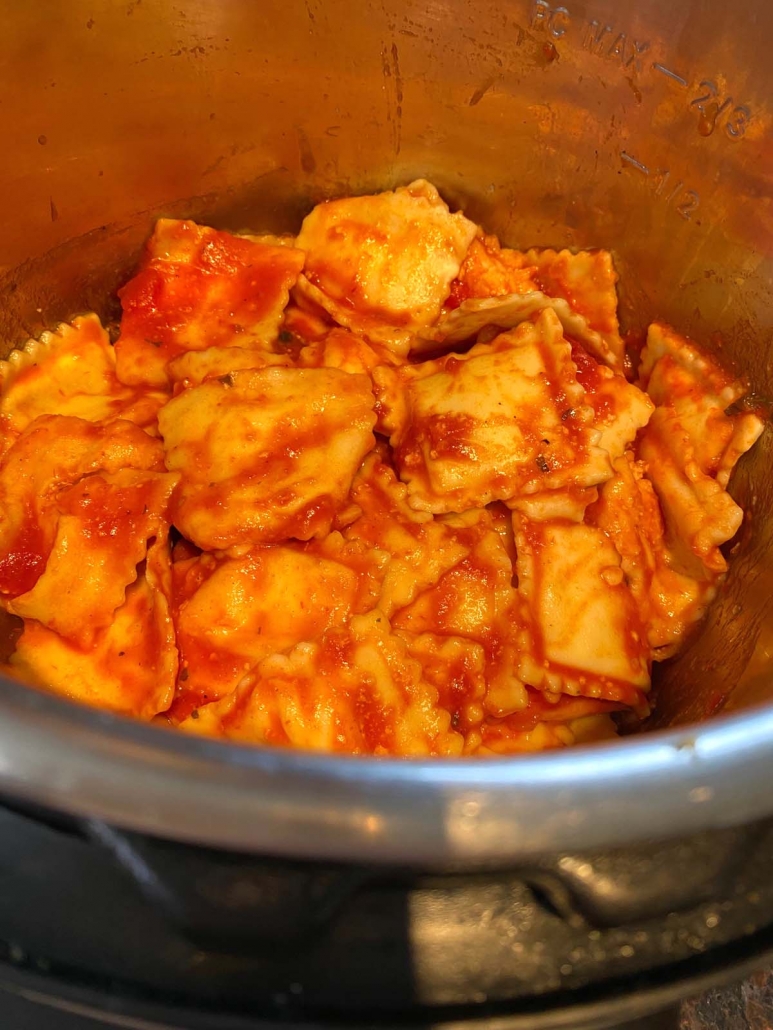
(605, 40)
(710, 107)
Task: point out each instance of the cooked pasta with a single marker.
(384, 488)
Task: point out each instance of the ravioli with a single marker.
(586, 281)
(350, 352)
(669, 601)
(690, 446)
(476, 600)
(55, 452)
(131, 665)
(232, 613)
(357, 691)
(490, 270)
(86, 576)
(456, 668)
(546, 724)
(420, 548)
(70, 371)
(193, 368)
(383, 263)
(505, 419)
(620, 408)
(475, 594)
(384, 488)
(475, 317)
(586, 634)
(266, 455)
(197, 288)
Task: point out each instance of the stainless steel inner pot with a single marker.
(643, 127)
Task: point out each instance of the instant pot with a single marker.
(157, 880)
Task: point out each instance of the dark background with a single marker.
(744, 1006)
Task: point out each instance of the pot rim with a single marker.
(297, 804)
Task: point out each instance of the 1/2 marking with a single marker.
(684, 201)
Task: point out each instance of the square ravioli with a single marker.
(696, 392)
(584, 633)
(546, 724)
(231, 613)
(54, 452)
(505, 419)
(476, 600)
(384, 261)
(478, 319)
(421, 549)
(475, 596)
(669, 601)
(690, 447)
(620, 408)
(456, 668)
(491, 270)
(340, 348)
(131, 665)
(586, 280)
(70, 372)
(267, 455)
(196, 288)
(86, 575)
(356, 691)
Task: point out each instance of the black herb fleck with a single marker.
(542, 464)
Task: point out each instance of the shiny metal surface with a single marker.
(645, 127)
(430, 812)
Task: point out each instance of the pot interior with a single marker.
(642, 128)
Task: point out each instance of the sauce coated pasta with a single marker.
(385, 488)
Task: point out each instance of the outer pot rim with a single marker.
(295, 804)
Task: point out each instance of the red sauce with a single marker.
(22, 564)
(587, 368)
(601, 391)
(460, 292)
(198, 288)
(111, 511)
